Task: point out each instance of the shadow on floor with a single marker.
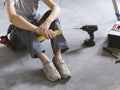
(31, 77)
(13, 79)
(8, 57)
(75, 51)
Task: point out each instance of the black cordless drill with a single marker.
(90, 29)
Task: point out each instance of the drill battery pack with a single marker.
(114, 36)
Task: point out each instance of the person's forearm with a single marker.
(55, 13)
(20, 22)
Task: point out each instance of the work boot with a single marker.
(63, 69)
(51, 72)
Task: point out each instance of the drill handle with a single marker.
(91, 35)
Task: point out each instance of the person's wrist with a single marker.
(35, 30)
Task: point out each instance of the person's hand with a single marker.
(49, 34)
(43, 28)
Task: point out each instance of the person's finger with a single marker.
(52, 34)
(47, 34)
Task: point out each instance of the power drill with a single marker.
(90, 29)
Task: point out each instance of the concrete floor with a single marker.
(92, 68)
